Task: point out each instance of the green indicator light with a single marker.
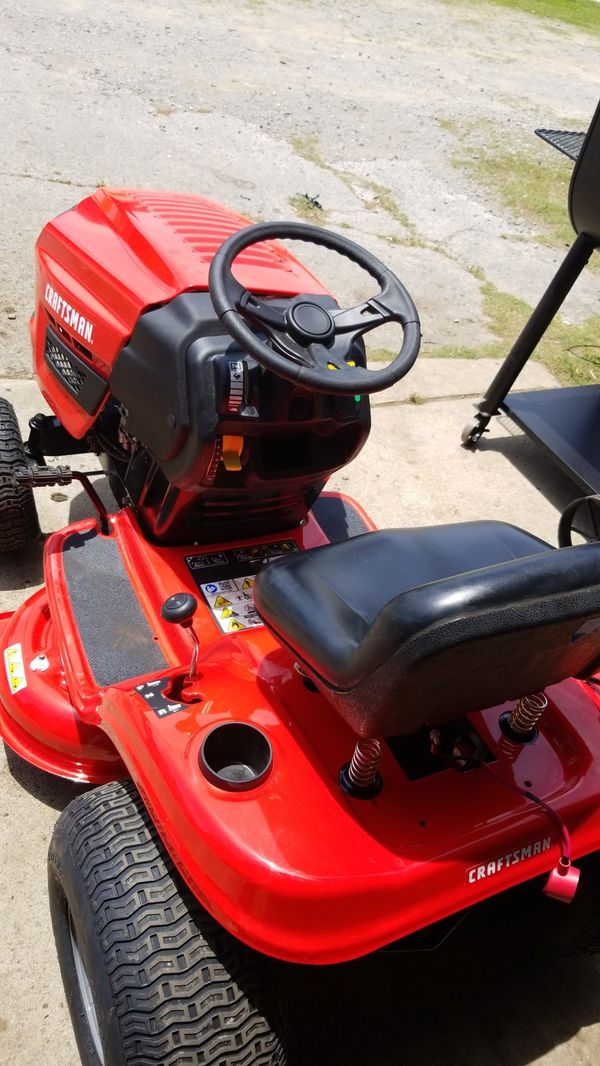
(357, 399)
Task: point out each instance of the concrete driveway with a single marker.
(255, 104)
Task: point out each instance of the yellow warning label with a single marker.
(227, 612)
(234, 626)
(248, 583)
(15, 671)
(222, 602)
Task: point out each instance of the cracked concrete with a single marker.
(143, 94)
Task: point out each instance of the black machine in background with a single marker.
(565, 421)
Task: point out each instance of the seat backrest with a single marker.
(584, 191)
(478, 639)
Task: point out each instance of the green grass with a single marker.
(571, 352)
(585, 14)
(308, 208)
(380, 355)
(371, 193)
(530, 180)
(532, 188)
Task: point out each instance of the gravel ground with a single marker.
(252, 104)
(209, 98)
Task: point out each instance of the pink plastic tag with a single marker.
(562, 881)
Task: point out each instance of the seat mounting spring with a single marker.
(527, 713)
(364, 765)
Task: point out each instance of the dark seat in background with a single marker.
(564, 421)
(407, 626)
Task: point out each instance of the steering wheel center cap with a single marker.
(308, 322)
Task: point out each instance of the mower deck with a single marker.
(290, 865)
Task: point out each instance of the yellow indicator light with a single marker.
(350, 362)
(331, 366)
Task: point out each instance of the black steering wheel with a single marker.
(309, 344)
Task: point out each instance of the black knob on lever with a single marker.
(180, 608)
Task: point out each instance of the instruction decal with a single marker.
(154, 695)
(226, 580)
(15, 670)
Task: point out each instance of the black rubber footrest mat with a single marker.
(567, 142)
(338, 518)
(114, 631)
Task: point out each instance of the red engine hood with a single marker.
(146, 247)
(121, 251)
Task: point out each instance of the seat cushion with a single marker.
(405, 627)
(329, 604)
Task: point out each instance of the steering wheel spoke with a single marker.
(261, 312)
(359, 319)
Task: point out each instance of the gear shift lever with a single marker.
(180, 609)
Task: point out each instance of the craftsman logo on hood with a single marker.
(495, 866)
(77, 322)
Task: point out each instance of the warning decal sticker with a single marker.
(225, 580)
(231, 603)
(15, 671)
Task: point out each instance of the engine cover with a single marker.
(129, 352)
(101, 264)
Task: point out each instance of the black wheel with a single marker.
(472, 433)
(149, 976)
(18, 516)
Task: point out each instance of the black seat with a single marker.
(406, 626)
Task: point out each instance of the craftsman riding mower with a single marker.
(311, 738)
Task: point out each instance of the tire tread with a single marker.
(186, 992)
(18, 515)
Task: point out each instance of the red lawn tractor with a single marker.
(310, 738)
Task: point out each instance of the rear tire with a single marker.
(18, 515)
(149, 976)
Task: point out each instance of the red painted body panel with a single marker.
(121, 251)
(295, 868)
(39, 722)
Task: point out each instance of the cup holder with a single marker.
(236, 757)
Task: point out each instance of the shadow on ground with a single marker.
(532, 462)
(21, 569)
(464, 1005)
(52, 791)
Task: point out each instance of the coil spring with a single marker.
(364, 766)
(527, 713)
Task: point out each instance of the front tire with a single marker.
(149, 976)
(18, 515)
